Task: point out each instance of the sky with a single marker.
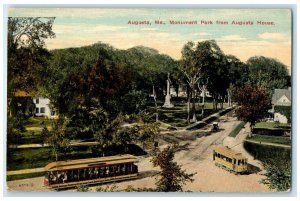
(75, 27)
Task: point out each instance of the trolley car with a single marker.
(230, 160)
(70, 173)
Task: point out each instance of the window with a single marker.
(37, 110)
(42, 110)
(52, 113)
(37, 100)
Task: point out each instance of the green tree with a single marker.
(204, 64)
(278, 175)
(15, 128)
(147, 134)
(191, 68)
(44, 133)
(215, 72)
(238, 73)
(110, 135)
(121, 133)
(58, 138)
(253, 103)
(268, 73)
(172, 178)
(26, 51)
(85, 122)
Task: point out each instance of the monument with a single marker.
(168, 103)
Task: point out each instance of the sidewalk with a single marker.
(25, 146)
(24, 171)
(268, 143)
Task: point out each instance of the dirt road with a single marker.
(195, 157)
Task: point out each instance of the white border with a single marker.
(212, 3)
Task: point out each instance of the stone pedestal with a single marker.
(168, 103)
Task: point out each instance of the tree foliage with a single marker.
(15, 128)
(253, 103)
(204, 64)
(26, 59)
(268, 73)
(119, 132)
(172, 178)
(278, 175)
(27, 55)
(238, 71)
(58, 138)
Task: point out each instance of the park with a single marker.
(100, 101)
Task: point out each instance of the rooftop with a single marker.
(278, 93)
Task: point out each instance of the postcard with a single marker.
(149, 100)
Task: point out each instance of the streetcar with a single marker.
(230, 160)
(71, 173)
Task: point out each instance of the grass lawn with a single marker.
(271, 139)
(24, 176)
(34, 125)
(36, 122)
(177, 115)
(19, 159)
(270, 125)
(33, 130)
(179, 118)
(39, 157)
(237, 129)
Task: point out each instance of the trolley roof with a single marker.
(89, 162)
(229, 152)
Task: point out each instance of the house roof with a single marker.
(278, 93)
(20, 93)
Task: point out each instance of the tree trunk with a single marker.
(251, 129)
(215, 103)
(188, 107)
(229, 98)
(203, 100)
(194, 105)
(156, 110)
(222, 101)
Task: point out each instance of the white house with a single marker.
(42, 107)
(281, 97)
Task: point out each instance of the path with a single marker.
(26, 146)
(24, 171)
(268, 143)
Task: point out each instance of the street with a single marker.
(195, 156)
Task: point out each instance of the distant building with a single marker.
(281, 105)
(182, 92)
(42, 107)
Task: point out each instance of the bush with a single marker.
(270, 131)
(276, 161)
